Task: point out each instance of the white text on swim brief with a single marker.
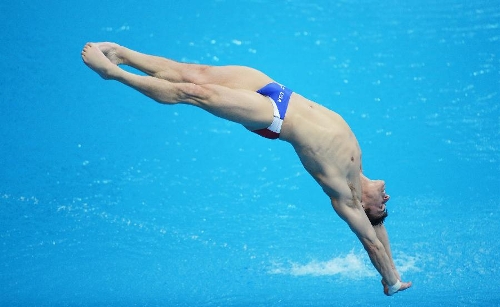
(282, 93)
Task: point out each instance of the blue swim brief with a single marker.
(279, 96)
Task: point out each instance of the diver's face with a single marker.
(374, 196)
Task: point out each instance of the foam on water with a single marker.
(354, 265)
(351, 266)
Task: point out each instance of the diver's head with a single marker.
(374, 199)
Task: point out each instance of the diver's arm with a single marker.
(354, 215)
(382, 235)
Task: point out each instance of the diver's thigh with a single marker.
(234, 77)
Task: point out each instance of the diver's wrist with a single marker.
(394, 288)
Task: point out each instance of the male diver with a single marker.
(321, 138)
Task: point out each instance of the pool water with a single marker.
(109, 199)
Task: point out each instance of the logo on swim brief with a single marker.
(282, 93)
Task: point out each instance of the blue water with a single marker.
(108, 199)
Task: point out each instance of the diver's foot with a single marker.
(97, 61)
(111, 51)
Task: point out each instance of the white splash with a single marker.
(353, 265)
(350, 265)
(407, 263)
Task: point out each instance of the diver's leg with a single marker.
(248, 108)
(149, 64)
(236, 77)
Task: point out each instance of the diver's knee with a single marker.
(196, 73)
(191, 92)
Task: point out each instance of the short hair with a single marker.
(375, 221)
